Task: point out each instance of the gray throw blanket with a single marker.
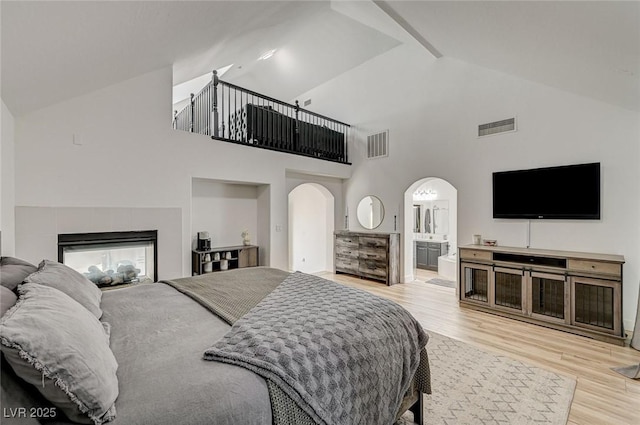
(343, 355)
(230, 294)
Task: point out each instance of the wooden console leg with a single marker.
(417, 410)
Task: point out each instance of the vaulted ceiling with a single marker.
(52, 51)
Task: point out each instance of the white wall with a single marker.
(432, 109)
(224, 210)
(115, 148)
(7, 182)
(37, 230)
(311, 215)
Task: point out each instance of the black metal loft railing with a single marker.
(231, 113)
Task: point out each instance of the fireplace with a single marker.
(111, 258)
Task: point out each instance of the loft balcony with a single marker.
(233, 114)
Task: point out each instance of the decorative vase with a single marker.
(208, 265)
(246, 239)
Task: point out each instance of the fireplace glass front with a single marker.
(111, 262)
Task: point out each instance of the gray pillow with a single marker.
(7, 299)
(13, 271)
(69, 281)
(56, 345)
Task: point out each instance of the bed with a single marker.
(158, 333)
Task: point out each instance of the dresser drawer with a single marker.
(347, 265)
(347, 240)
(373, 268)
(594, 267)
(476, 254)
(373, 242)
(347, 251)
(373, 254)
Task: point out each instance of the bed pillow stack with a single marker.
(53, 340)
(13, 271)
(69, 281)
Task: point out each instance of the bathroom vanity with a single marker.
(427, 253)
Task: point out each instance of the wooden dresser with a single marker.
(369, 255)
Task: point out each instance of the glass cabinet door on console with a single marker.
(476, 283)
(509, 290)
(550, 297)
(596, 304)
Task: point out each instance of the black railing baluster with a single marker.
(296, 138)
(191, 113)
(214, 94)
(251, 118)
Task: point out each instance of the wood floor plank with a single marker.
(602, 396)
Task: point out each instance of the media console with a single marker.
(576, 292)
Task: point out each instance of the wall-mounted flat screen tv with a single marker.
(569, 192)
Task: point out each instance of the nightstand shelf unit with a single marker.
(223, 258)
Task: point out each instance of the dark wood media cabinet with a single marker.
(576, 292)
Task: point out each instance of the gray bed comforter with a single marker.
(343, 355)
(158, 336)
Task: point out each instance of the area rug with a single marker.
(632, 371)
(471, 386)
(442, 282)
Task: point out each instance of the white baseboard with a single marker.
(628, 325)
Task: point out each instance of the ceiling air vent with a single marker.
(496, 127)
(378, 145)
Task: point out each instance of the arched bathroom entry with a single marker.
(431, 215)
(311, 224)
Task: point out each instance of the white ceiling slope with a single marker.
(590, 48)
(52, 51)
(56, 50)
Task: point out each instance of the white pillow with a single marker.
(64, 278)
(55, 344)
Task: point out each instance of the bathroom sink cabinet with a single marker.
(427, 254)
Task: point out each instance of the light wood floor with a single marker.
(601, 397)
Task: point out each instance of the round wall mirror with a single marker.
(370, 212)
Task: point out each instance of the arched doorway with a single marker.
(431, 215)
(311, 224)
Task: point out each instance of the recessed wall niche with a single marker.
(225, 209)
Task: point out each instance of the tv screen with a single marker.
(567, 192)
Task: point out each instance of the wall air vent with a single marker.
(497, 127)
(378, 145)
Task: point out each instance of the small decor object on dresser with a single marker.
(246, 238)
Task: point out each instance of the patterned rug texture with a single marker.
(442, 282)
(471, 386)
